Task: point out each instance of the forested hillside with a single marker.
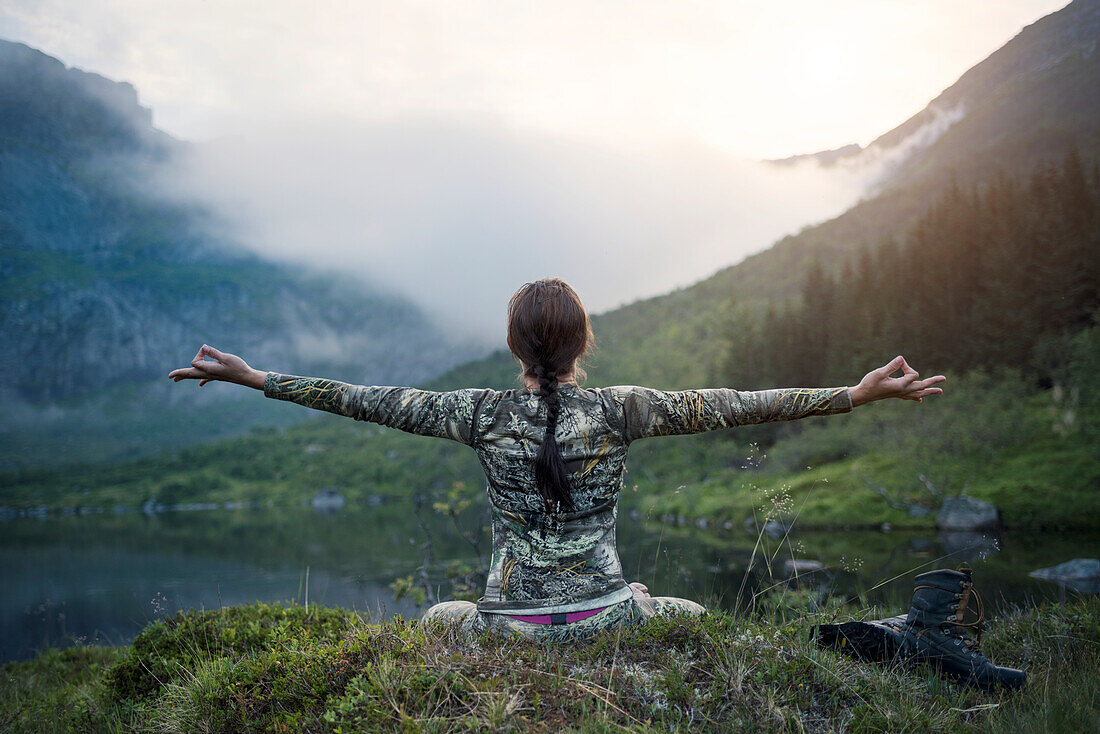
(999, 274)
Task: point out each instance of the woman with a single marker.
(554, 455)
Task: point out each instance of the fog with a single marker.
(456, 215)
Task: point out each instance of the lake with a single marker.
(100, 578)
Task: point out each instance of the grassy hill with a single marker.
(273, 668)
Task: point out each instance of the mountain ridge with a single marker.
(98, 271)
(677, 339)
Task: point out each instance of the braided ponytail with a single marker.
(548, 331)
(550, 472)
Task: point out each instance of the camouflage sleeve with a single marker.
(426, 413)
(649, 412)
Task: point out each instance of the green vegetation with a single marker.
(1029, 452)
(274, 668)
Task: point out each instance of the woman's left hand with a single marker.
(878, 384)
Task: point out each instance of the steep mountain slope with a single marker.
(106, 285)
(1020, 108)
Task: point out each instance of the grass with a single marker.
(274, 668)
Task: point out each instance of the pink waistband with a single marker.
(557, 618)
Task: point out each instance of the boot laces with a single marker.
(954, 626)
(968, 593)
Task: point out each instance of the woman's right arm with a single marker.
(649, 412)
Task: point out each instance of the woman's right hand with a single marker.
(878, 384)
(221, 366)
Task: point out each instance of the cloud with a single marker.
(877, 161)
(761, 79)
(456, 215)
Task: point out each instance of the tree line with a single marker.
(1000, 274)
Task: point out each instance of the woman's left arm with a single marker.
(424, 412)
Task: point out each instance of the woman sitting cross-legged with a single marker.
(554, 455)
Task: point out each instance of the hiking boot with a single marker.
(935, 630)
(932, 632)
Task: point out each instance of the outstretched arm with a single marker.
(424, 412)
(659, 413)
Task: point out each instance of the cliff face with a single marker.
(104, 282)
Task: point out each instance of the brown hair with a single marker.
(548, 331)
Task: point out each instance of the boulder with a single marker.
(328, 500)
(967, 513)
(1080, 574)
(774, 528)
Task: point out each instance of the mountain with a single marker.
(1019, 109)
(107, 285)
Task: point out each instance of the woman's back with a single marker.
(547, 561)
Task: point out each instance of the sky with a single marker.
(451, 150)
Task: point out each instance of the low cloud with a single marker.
(456, 215)
(875, 163)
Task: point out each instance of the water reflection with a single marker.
(103, 577)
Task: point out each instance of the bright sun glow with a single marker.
(756, 78)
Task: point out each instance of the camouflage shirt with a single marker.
(547, 562)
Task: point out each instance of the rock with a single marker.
(918, 511)
(802, 565)
(1080, 574)
(967, 513)
(328, 500)
(773, 528)
(776, 529)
